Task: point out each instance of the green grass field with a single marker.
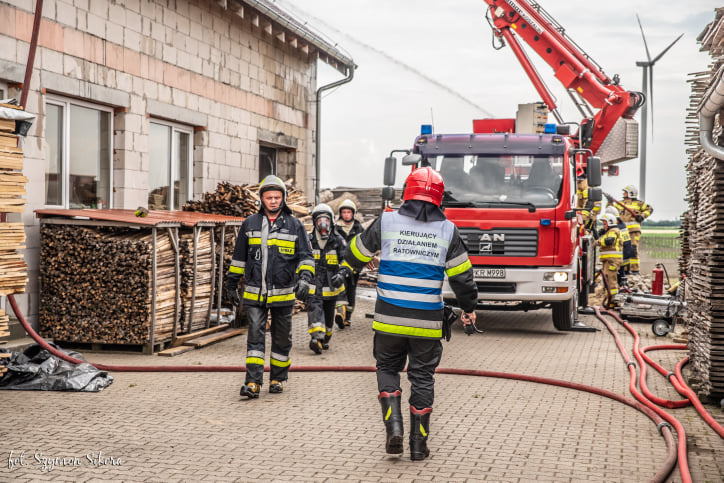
(661, 242)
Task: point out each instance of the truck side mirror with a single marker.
(595, 194)
(594, 171)
(390, 171)
(411, 159)
(388, 193)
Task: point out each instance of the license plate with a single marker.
(489, 273)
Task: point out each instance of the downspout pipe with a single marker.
(317, 148)
(711, 103)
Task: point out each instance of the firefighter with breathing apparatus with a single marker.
(418, 246)
(328, 248)
(273, 255)
(626, 248)
(348, 227)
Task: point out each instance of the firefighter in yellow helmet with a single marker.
(610, 246)
(589, 209)
(348, 227)
(633, 211)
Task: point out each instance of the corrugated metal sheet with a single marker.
(154, 217)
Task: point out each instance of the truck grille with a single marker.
(496, 287)
(501, 242)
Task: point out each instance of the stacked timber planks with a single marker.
(4, 334)
(203, 280)
(96, 285)
(702, 257)
(13, 270)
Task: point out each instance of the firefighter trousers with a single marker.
(350, 287)
(635, 242)
(281, 342)
(320, 317)
(392, 352)
(610, 267)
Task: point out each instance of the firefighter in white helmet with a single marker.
(348, 227)
(273, 255)
(329, 276)
(626, 248)
(632, 211)
(610, 255)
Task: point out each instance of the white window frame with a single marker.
(65, 103)
(185, 129)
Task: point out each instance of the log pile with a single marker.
(243, 200)
(702, 256)
(96, 285)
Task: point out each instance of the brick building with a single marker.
(151, 103)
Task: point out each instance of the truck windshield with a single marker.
(507, 180)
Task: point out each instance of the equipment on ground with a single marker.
(510, 186)
(662, 310)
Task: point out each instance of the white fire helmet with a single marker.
(610, 219)
(631, 191)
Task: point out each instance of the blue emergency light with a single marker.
(425, 129)
(550, 128)
(545, 222)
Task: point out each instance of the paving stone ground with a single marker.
(326, 426)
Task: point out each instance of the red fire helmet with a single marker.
(424, 184)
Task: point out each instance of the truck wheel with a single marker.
(564, 313)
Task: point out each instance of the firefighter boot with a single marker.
(275, 387)
(325, 341)
(348, 316)
(419, 427)
(250, 390)
(392, 417)
(340, 312)
(316, 346)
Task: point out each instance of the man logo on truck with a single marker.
(485, 237)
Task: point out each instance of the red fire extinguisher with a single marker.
(657, 281)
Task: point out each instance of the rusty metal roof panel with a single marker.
(154, 217)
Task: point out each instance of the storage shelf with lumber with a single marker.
(109, 277)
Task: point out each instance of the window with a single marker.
(267, 161)
(170, 164)
(78, 154)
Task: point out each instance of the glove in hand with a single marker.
(337, 280)
(609, 241)
(233, 295)
(609, 198)
(639, 218)
(301, 290)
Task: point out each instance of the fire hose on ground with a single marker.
(662, 419)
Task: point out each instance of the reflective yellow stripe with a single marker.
(389, 412)
(312, 330)
(305, 267)
(332, 260)
(466, 265)
(345, 264)
(409, 331)
(277, 363)
(255, 360)
(252, 296)
(422, 430)
(316, 256)
(355, 251)
(237, 270)
(336, 292)
(280, 298)
(254, 241)
(603, 256)
(313, 291)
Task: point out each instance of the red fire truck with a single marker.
(511, 183)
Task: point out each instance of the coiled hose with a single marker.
(652, 413)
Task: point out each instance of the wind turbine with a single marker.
(648, 89)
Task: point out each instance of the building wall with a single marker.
(188, 61)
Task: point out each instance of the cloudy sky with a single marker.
(429, 61)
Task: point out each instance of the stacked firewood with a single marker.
(13, 270)
(243, 200)
(702, 255)
(96, 285)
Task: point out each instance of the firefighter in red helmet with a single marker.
(418, 247)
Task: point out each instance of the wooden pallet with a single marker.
(215, 337)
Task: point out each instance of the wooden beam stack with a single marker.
(203, 280)
(702, 256)
(13, 270)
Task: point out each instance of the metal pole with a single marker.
(317, 165)
(31, 52)
(644, 125)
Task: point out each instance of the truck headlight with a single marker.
(555, 277)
